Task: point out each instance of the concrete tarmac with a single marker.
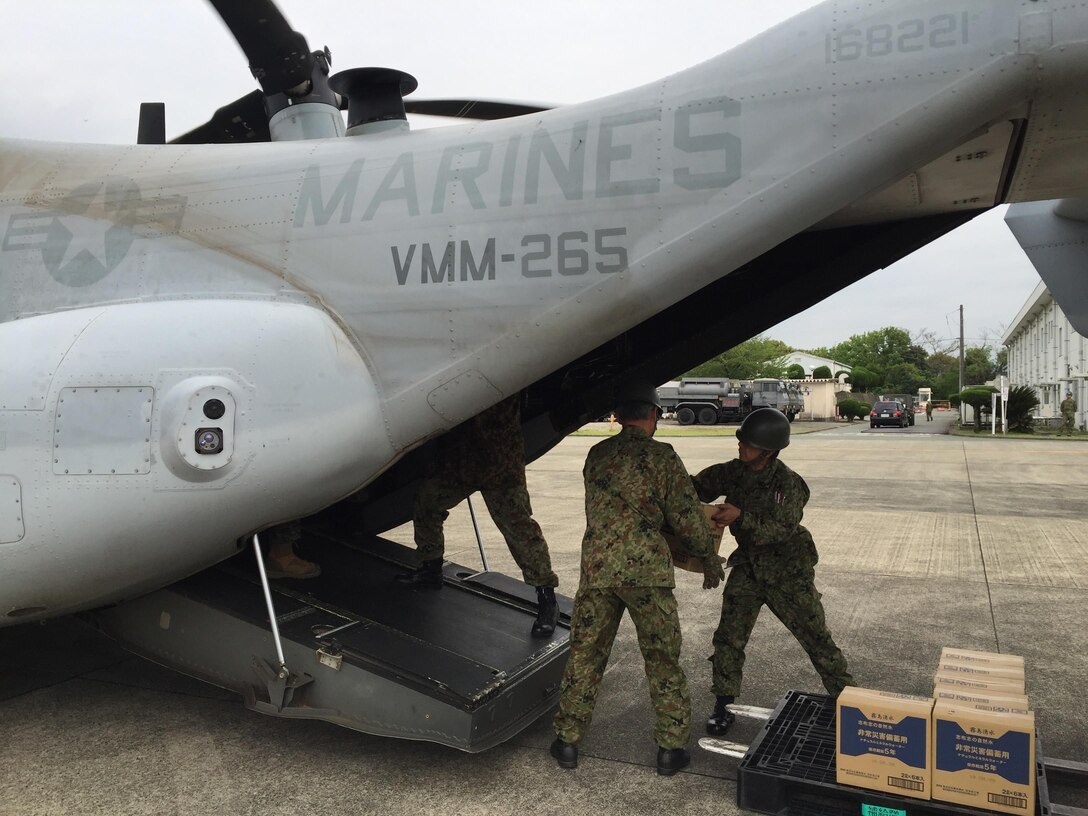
(925, 540)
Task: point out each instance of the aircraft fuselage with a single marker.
(345, 300)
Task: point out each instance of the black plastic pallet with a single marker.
(789, 770)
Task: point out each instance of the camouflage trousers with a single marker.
(510, 510)
(790, 593)
(1067, 425)
(285, 535)
(594, 621)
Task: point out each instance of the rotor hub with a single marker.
(375, 98)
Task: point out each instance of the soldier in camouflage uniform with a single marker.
(1069, 414)
(486, 453)
(773, 563)
(634, 487)
(282, 561)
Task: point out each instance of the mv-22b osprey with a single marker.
(273, 317)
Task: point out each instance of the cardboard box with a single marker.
(884, 741)
(993, 707)
(985, 672)
(985, 685)
(978, 699)
(984, 759)
(977, 658)
(681, 557)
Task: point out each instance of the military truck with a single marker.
(714, 400)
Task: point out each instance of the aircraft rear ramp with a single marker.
(455, 666)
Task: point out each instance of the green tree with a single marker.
(980, 365)
(863, 379)
(772, 368)
(877, 350)
(979, 399)
(887, 361)
(941, 363)
(942, 372)
(795, 372)
(903, 378)
(759, 357)
(946, 385)
(1021, 408)
(821, 373)
(854, 409)
(916, 356)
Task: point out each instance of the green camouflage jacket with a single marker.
(487, 451)
(635, 487)
(773, 502)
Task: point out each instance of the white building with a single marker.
(810, 362)
(821, 398)
(1046, 353)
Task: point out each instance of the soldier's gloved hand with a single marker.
(713, 573)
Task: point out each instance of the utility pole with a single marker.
(962, 364)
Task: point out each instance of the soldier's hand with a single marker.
(726, 514)
(718, 511)
(713, 572)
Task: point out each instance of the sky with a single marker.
(76, 70)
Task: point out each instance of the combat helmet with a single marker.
(766, 429)
(638, 391)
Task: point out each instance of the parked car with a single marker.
(889, 412)
(909, 403)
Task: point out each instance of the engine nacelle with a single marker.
(125, 467)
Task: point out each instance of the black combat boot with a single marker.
(565, 753)
(547, 612)
(671, 760)
(718, 723)
(428, 576)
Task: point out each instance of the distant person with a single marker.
(634, 488)
(773, 563)
(929, 410)
(282, 561)
(485, 453)
(1069, 413)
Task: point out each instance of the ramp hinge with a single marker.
(280, 687)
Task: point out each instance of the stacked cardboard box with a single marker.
(1007, 678)
(972, 743)
(983, 732)
(971, 657)
(985, 701)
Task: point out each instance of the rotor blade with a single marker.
(152, 127)
(243, 120)
(471, 108)
(278, 55)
